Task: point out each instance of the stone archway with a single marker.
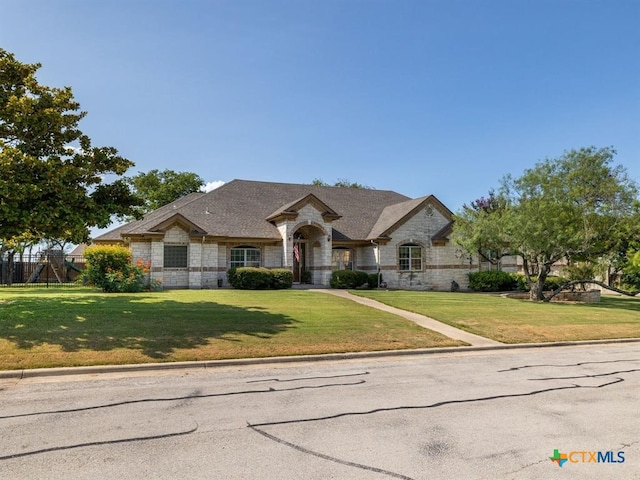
(310, 244)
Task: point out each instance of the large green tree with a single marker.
(52, 179)
(480, 230)
(157, 188)
(342, 182)
(570, 208)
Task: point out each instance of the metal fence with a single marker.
(47, 268)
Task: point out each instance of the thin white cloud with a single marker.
(72, 150)
(212, 185)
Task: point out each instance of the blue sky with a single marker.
(438, 97)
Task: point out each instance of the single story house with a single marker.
(192, 242)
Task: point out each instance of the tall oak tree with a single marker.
(53, 181)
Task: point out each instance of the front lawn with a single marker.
(521, 321)
(77, 326)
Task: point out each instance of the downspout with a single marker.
(202, 264)
(377, 257)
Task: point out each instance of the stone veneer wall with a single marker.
(272, 256)
(442, 264)
(208, 261)
(589, 296)
(318, 249)
(171, 277)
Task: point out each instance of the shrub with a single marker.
(348, 279)
(552, 282)
(251, 278)
(372, 280)
(521, 282)
(259, 278)
(109, 267)
(491, 281)
(281, 278)
(232, 276)
(305, 277)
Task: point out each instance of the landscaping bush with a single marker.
(232, 277)
(281, 278)
(372, 280)
(259, 278)
(348, 279)
(251, 278)
(521, 282)
(109, 267)
(552, 282)
(492, 281)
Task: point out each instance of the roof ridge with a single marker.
(311, 185)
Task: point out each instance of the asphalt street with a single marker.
(501, 414)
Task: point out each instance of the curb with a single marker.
(212, 364)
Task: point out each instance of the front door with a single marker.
(299, 262)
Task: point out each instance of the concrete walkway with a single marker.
(426, 322)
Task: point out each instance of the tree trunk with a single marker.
(537, 288)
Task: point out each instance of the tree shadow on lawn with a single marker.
(616, 303)
(155, 328)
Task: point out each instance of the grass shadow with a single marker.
(150, 324)
(617, 303)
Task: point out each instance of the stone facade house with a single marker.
(192, 242)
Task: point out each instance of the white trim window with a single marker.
(245, 256)
(409, 257)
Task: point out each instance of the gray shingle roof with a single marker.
(149, 220)
(240, 208)
(391, 215)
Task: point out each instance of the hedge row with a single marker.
(253, 278)
(353, 279)
(497, 281)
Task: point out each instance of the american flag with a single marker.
(296, 252)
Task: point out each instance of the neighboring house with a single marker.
(192, 242)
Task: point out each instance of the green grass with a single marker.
(520, 321)
(76, 326)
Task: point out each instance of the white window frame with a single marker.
(413, 261)
(244, 260)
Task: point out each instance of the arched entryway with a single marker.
(310, 243)
(299, 257)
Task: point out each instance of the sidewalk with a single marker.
(426, 322)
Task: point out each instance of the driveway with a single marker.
(468, 415)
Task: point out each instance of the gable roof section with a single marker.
(394, 216)
(441, 236)
(151, 219)
(291, 210)
(180, 220)
(242, 209)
